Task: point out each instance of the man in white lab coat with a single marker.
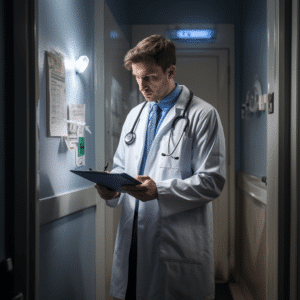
(164, 244)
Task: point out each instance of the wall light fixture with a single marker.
(81, 64)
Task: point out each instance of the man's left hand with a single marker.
(145, 192)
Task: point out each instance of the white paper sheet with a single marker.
(56, 99)
(76, 124)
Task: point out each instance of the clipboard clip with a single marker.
(105, 168)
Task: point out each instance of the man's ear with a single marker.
(172, 72)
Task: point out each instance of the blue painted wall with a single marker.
(120, 11)
(253, 130)
(67, 27)
(67, 246)
(179, 11)
(1, 137)
(67, 257)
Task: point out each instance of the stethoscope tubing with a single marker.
(130, 136)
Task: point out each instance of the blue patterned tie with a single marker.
(152, 128)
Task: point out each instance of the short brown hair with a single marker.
(155, 47)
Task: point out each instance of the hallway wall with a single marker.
(254, 132)
(67, 245)
(68, 28)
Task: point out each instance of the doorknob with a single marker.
(264, 179)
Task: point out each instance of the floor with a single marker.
(223, 292)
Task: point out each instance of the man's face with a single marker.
(153, 83)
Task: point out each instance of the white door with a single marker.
(206, 74)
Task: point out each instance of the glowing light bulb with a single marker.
(81, 64)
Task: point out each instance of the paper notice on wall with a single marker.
(56, 96)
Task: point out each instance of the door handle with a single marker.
(264, 179)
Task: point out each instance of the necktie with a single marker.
(151, 130)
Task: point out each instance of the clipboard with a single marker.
(111, 181)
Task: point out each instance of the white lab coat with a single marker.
(175, 231)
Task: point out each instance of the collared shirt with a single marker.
(165, 105)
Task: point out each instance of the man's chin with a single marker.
(149, 97)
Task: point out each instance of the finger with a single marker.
(133, 187)
(142, 178)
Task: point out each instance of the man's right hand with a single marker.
(105, 193)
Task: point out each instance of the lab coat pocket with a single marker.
(178, 164)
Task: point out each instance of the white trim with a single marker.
(236, 291)
(295, 191)
(278, 155)
(240, 291)
(272, 169)
(99, 68)
(56, 207)
(253, 186)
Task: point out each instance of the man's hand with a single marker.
(145, 191)
(106, 193)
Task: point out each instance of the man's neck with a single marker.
(169, 91)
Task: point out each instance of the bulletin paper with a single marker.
(56, 95)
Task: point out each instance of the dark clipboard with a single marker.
(111, 181)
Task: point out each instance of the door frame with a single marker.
(225, 40)
(21, 176)
(295, 153)
(278, 150)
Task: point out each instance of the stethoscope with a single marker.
(130, 136)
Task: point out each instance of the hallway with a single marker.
(56, 221)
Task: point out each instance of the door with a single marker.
(206, 74)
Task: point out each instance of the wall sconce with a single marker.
(81, 64)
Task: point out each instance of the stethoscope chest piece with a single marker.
(130, 138)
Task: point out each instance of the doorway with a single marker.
(205, 73)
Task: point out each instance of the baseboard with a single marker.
(236, 291)
(240, 292)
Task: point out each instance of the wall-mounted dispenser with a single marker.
(254, 100)
(76, 127)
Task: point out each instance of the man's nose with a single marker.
(142, 84)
